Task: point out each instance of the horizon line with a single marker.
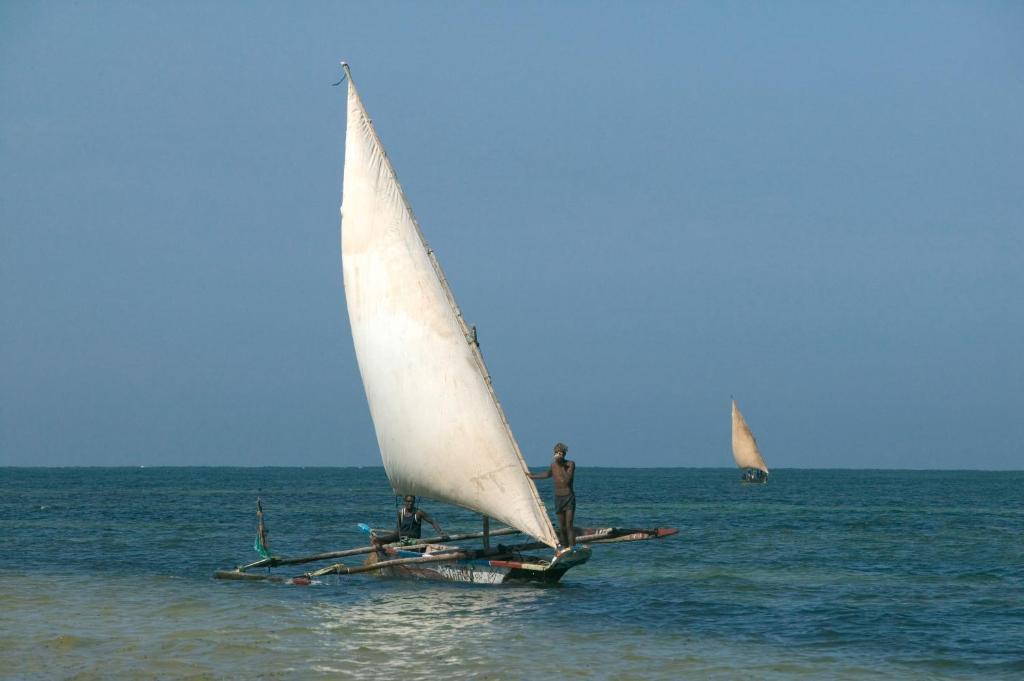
(380, 466)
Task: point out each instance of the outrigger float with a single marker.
(440, 427)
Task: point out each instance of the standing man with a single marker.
(562, 470)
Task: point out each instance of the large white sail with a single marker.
(744, 445)
(441, 431)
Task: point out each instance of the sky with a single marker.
(645, 208)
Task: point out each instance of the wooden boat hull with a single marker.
(499, 569)
(752, 476)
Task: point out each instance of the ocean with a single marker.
(108, 573)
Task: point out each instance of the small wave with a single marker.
(67, 643)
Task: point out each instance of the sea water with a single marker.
(108, 573)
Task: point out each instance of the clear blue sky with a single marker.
(815, 207)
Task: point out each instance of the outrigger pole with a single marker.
(274, 561)
(342, 569)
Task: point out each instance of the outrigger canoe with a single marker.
(440, 427)
(428, 559)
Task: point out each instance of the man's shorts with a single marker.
(565, 503)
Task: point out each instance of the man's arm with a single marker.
(426, 516)
(539, 476)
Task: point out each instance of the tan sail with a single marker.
(440, 428)
(744, 445)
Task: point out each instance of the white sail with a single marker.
(441, 431)
(744, 445)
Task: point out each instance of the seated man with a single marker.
(409, 523)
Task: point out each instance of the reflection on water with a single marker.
(408, 627)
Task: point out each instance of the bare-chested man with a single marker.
(407, 525)
(562, 470)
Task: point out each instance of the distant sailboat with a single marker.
(745, 450)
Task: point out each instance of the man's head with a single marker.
(560, 450)
(410, 501)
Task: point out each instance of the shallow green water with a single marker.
(839, 574)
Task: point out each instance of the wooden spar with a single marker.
(274, 561)
(342, 569)
(606, 535)
(596, 536)
(487, 533)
